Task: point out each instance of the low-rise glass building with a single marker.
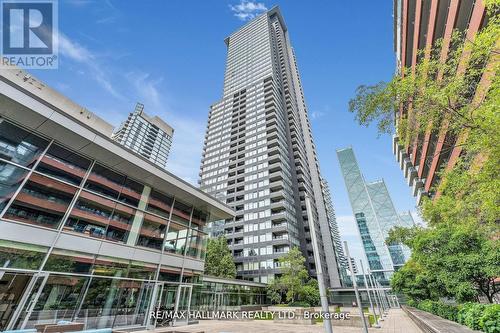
(90, 231)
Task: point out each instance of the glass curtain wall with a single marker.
(46, 185)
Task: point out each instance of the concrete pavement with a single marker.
(396, 322)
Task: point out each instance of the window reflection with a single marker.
(104, 181)
(196, 244)
(181, 212)
(21, 255)
(64, 165)
(99, 217)
(42, 201)
(19, 146)
(168, 273)
(69, 261)
(160, 204)
(152, 231)
(175, 241)
(10, 179)
(131, 193)
(199, 219)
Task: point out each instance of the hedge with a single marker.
(484, 317)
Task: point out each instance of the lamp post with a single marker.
(319, 268)
(376, 296)
(355, 285)
(368, 292)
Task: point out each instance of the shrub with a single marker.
(485, 317)
(463, 310)
(473, 315)
(490, 320)
(300, 304)
(440, 309)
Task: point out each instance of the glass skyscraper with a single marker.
(259, 156)
(375, 215)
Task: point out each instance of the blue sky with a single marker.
(170, 56)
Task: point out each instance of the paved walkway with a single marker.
(396, 322)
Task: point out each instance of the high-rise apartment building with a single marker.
(259, 156)
(334, 228)
(418, 24)
(375, 215)
(354, 265)
(149, 136)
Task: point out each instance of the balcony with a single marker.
(277, 217)
(277, 195)
(417, 185)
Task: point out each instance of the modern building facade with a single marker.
(334, 228)
(375, 215)
(418, 24)
(90, 231)
(259, 156)
(148, 136)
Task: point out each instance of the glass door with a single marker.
(12, 289)
(21, 315)
(183, 303)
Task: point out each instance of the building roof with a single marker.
(31, 103)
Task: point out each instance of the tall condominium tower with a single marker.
(259, 156)
(149, 136)
(375, 215)
(334, 229)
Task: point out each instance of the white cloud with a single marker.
(80, 54)
(247, 10)
(317, 114)
(147, 87)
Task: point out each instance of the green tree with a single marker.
(294, 273)
(294, 284)
(276, 291)
(310, 293)
(448, 259)
(219, 261)
(458, 99)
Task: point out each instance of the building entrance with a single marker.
(12, 287)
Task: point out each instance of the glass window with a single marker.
(110, 266)
(168, 273)
(160, 204)
(21, 255)
(69, 261)
(106, 182)
(18, 145)
(142, 270)
(131, 192)
(10, 179)
(42, 201)
(63, 164)
(199, 219)
(99, 217)
(181, 212)
(197, 244)
(176, 238)
(58, 300)
(115, 302)
(152, 231)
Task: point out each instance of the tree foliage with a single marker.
(449, 259)
(219, 261)
(294, 284)
(456, 99)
